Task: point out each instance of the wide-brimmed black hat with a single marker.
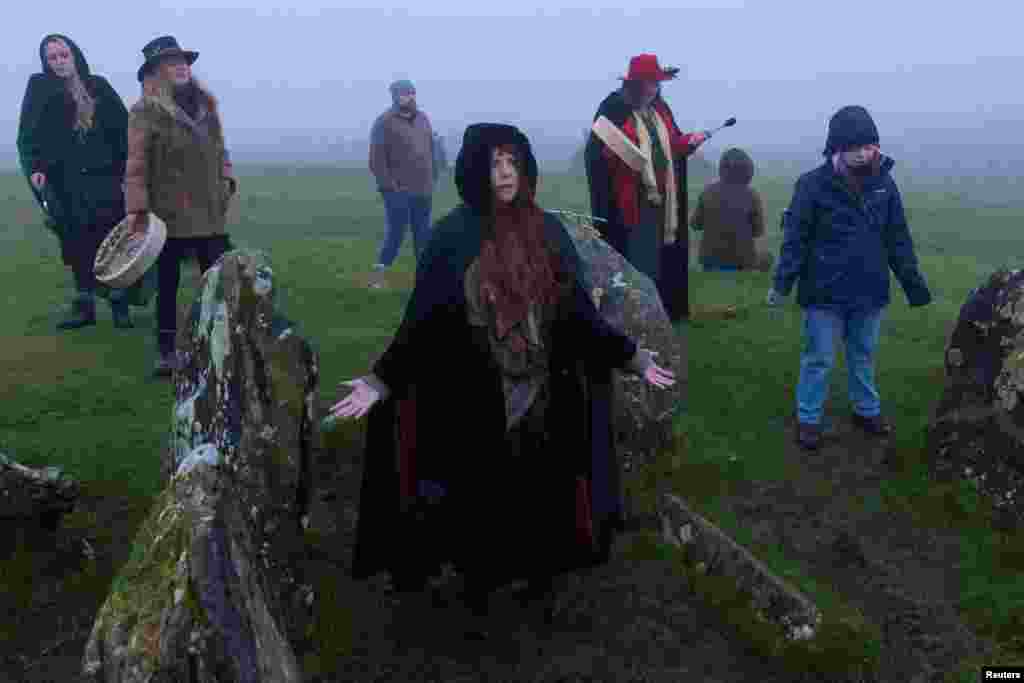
(473, 165)
(164, 46)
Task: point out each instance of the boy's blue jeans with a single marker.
(860, 331)
(403, 209)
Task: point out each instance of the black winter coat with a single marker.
(841, 244)
(84, 172)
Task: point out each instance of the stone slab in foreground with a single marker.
(776, 601)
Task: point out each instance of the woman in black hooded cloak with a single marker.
(490, 411)
(72, 145)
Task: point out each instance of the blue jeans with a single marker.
(859, 330)
(403, 209)
(712, 267)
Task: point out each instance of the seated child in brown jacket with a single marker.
(731, 215)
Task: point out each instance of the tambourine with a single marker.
(124, 256)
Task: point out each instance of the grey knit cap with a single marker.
(403, 85)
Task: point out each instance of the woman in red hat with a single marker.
(644, 209)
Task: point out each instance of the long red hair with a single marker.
(517, 263)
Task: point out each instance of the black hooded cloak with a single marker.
(444, 420)
(83, 173)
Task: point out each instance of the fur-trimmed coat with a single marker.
(178, 167)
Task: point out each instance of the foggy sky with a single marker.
(780, 66)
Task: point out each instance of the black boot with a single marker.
(477, 598)
(166, 361)
(83, 313)
(119, 312)
(540, 591)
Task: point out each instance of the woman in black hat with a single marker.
(178, 169)
(72, 148)
(499, 379)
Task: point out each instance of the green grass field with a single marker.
(84, 400)
(749, 367)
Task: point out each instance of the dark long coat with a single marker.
(504, 515)
(673, 284)
(84, 173)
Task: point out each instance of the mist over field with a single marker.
(302, 86)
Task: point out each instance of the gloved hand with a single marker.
(773, 298)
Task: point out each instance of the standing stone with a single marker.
(977, 431)
(213, 590)
(629, 301)
(765, 261)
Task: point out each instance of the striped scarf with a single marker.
(649, 175)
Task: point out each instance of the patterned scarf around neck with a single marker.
(669, 202)
(187, 97)
(85, 105)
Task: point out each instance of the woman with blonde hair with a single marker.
(71, 146)
(178, 169)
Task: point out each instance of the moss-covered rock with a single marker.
(629, 301)
(214, 588)
(28, 493)
(977, 431)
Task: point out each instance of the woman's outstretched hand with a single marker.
(358, 402)
(658, 376)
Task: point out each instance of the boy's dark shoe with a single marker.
(808, 436)
(875, 425)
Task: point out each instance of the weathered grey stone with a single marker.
(213, 590)
(40, 494)
(629, 301)
(977, 430)
(717, 554)
(765, 261)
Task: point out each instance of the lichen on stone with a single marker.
(263, 281)
(206, 453)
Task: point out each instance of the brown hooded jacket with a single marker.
(731, 214)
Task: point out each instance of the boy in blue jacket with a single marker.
(844, 229)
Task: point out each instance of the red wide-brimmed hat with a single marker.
(646, 68)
